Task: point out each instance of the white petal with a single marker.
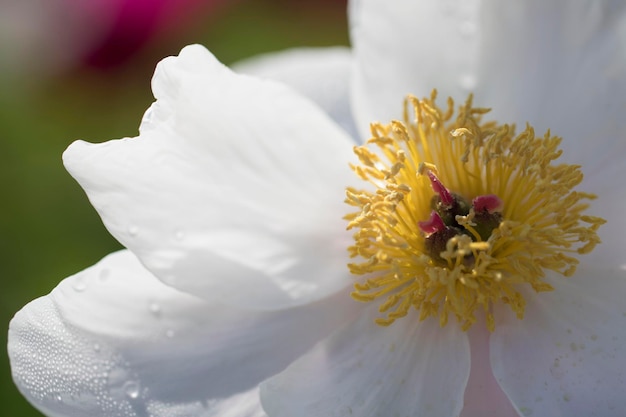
(321, 74)
(365, 370)
(114, 341)
(566, 357)
(233, 191)
(557, 65)
(410, 47)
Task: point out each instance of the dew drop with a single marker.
(154, 308)
(468, 82)
(169, 333)
(131, 389)
(96, 347)
(58, 398)
(133, 230)
(104, 274)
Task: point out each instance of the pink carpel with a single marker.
(433, 224)
(488, 202)
(439, 188)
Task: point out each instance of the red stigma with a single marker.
(489, 202)
(433, 224)
(439, 188)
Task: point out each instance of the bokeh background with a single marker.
(81, 69)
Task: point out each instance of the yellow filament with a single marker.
(543, 221)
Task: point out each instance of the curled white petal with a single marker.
(233, 190)
(114, 341)
(321, 74)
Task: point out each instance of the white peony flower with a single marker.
(234, 290)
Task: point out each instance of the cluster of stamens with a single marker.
(460, 214)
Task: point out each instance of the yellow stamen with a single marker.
(542, 221)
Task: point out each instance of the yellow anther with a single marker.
(424, 167)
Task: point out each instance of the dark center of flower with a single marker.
(450, 208)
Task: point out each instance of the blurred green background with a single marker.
(48, 230)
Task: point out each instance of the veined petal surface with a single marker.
(233, 190)
(113, 340)
(321, 74)
(566, 357)
(411, 368)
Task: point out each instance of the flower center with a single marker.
(460, 214)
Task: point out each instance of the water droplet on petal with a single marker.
(133, 230)
(154, 308)
(105, 274)
(96, 347)
(131, 388)
(468, 82)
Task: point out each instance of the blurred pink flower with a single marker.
(48, 36)
(136, 22)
